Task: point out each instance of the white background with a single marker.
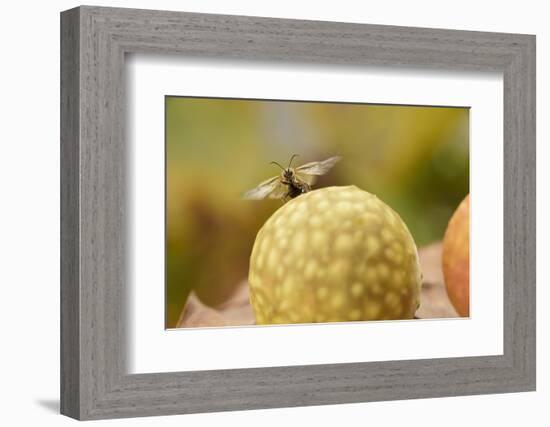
(152, 349)
(29, 224)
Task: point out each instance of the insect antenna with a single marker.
(291, 159)
(275, 163)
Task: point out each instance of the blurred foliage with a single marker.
(416, 159)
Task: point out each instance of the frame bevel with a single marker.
(94, 42)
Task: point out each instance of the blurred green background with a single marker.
(416, 159)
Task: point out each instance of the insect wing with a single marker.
(279, 191)
(308, 179)
(318, 168)
(264, 189)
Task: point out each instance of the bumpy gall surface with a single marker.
(331, 255)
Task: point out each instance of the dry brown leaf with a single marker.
(237, 311)
(434, 302)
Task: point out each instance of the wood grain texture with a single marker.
(94, 240)
(70, 220)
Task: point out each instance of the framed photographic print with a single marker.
(262, 213)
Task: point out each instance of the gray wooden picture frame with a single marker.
(94, 41)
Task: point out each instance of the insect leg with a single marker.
(305, 187)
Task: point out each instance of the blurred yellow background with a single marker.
(416, 159)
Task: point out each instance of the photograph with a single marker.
(279, 210)
(286, 212)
